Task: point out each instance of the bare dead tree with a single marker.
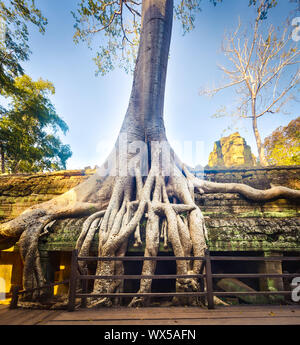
(264, 70)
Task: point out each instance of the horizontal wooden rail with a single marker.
(140, 276)
(193, 258)
(43, 287)
(209, 276)
(255, 258)
(140, 258)
(16, 291)
(243, 293)
(176, 276)
(255, 275)
(148, 294)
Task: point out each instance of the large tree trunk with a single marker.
(144, 122)
(2, 157)
(144, 117)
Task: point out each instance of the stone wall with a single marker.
(20, 191)
(261, 178)
(237, 224)
(233, 222)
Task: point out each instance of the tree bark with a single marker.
(260, 146)
(2, 154)
(144, 117)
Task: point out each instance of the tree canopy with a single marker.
(28, 129)
(29, 125)
(119, 21)
(283, 145)
(15, 16)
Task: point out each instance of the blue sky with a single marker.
(93, 107)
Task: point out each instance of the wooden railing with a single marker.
(17, 291)
(206, 260)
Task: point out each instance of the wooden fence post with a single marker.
(14, 297)
(209, 281)
(73, 280)
(84, 284)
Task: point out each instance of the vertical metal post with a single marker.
(84, 284)
(73, 281)
(209, 281)
(14, 297)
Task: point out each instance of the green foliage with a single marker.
(28, 129)
(28, 140)
(186, 11)
(283, 145)
(15, 15)
(119, 24)
(267, 5)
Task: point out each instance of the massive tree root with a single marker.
(33, 223)
(167, 205)
(117, 206)
(135, 198)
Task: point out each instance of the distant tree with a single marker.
(14, 49)
(282, 147)
(28, 130)
(264, 69)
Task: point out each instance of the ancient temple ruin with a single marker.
(235, 225)
(231, 151)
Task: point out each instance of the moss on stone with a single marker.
(233, 223)
(268, 214)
